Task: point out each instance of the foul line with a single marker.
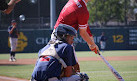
(11, 79)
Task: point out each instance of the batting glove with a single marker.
(94, 48)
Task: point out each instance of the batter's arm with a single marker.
(85, 36)
(88, 39)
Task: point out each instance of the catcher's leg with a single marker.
(77, 77)
(83, 76)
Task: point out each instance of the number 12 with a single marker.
(118, 39)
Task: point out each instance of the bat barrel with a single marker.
(117, 75)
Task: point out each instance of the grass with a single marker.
(20, 56)
(19, 71)
(108, 53)
(96, 70)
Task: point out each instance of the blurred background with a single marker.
(116, 18)
(36, 12)
(103, 13)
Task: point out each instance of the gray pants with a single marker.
(103, 45)
(72, 78)
(13, 43)
(76, 77)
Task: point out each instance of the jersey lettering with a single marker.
(78, 3)
(45, 58)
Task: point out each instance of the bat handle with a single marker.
(98, 53)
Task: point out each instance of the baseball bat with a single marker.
(117, 75)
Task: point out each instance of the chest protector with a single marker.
(51, 51)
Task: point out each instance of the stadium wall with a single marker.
(33, 40)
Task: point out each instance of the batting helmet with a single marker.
(63, 30)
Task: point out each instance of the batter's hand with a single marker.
(94, 48)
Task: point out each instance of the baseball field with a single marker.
(125, 62)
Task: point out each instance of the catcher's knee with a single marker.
(83, 76)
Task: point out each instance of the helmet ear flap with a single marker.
(59, 36)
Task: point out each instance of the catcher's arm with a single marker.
(67, 72)
(70, 70)
(76, 68)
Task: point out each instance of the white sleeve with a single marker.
(83, 26)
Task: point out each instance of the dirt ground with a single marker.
(32, 61)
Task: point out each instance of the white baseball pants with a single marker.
(13, 43)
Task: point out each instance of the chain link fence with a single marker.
(37, 14)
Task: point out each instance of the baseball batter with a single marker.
(7, 8)
(13, 34)
(75, 14)
(56, 60)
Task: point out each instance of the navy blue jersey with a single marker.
(3, 5)
(103, 38)
(14, 34)
(48, 66)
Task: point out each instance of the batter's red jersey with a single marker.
(75, 14)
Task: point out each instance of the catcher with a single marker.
(56, 60)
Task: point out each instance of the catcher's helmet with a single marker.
(63, 30)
